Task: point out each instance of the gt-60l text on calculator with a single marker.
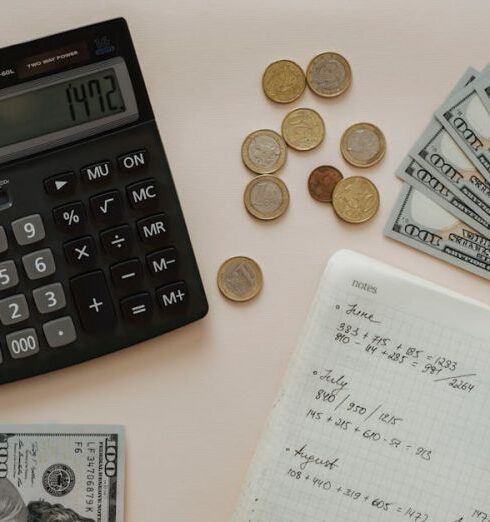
(94, 251)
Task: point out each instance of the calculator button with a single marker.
(80, 251)
(4, 244)
(14, 310)
(93, 301)
(39, 264)
(22, 343)
(29, 229)
(61, 184)
(97, 173)
(8, 275)
(163, 261)
(60, 332)
(143, 195)
(153, 229)
(137, 307)
(127, 273)
(171, 296)
(117, 241)
(133, 161)
(70, 217)
(49, 298)
(107, 207)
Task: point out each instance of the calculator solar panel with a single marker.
(94, 251)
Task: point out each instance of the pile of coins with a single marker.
(264, 152)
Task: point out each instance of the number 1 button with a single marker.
(93, 301)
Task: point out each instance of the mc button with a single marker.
(143, 195)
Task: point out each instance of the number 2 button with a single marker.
(13, 310)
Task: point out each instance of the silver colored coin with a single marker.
(264, 151)
(266, 197)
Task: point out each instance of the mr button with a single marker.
(143, 195)
(153, 229)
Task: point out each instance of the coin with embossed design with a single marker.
(283, 81)
(240, 278)
(303, 129)
(329, 74)
(355, 199)
(322, 182)
(264, 151)
(363, 145)
(266, 197)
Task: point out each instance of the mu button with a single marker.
(97, 173)
(153, 229)
(143, 195)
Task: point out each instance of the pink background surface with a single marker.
(195, 401)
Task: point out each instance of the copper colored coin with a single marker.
(322, 181)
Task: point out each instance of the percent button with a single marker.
(70, 217)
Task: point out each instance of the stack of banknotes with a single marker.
(444, 206)
(61, 473)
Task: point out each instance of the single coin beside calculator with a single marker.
(94, 251)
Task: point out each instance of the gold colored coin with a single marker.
(363, 145)
(264, 151)
(355, 199)
(240, 279)
(266, 197)
(283, 81)
(329, 74)
(303, 129)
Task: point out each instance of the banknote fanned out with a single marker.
(59, 472)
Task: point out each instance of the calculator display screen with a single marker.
(65, 107)
(60, 106)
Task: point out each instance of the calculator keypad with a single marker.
(39, 264)
(28, 230)
(49, 298)
(13, 310)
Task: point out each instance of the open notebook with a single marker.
(384, 414)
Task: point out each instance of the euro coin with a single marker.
(363, 145)
(283, 81)
(329, 74)
(303, 129)
(264, 151)
(266, 197)
(240, 279)
(322, 182)
(355, 199)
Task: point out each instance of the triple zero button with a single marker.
(93, 301)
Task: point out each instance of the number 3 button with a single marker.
(49, 298)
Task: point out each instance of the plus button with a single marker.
(96, 305)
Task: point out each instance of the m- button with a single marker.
(143, 195)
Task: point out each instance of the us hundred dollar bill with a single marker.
(420, 223)
(61, 473)
(467, 120)
(421, 179)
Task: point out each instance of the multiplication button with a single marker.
(80, 251)
(28, 230)
(23, 343)
(60, 332)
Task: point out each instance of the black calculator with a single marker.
(94, 251)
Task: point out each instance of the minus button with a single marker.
(127, 274)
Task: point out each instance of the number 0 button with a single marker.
(22, 343)
(28, 230)
(39, 264)
(49, 298)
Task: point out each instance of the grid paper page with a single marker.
(384, 413)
